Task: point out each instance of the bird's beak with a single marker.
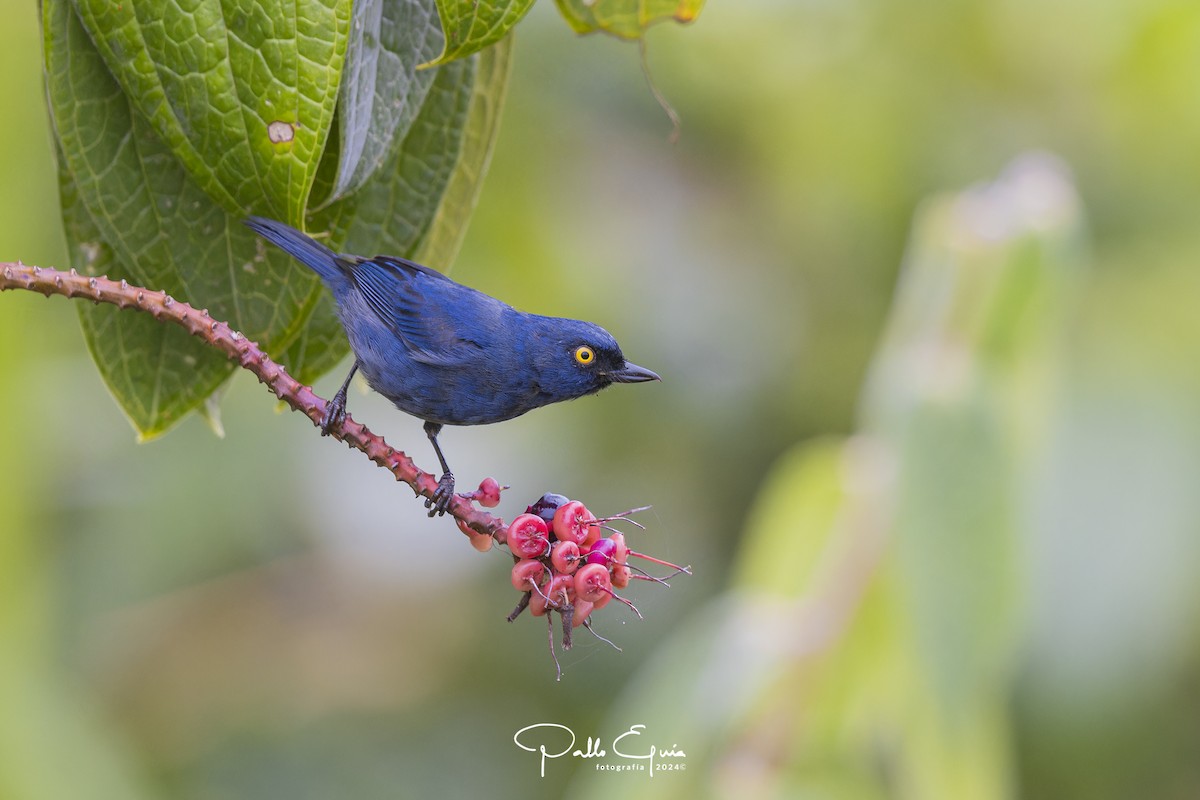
(632, 373)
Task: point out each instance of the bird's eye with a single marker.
(585, 355)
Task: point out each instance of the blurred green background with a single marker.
(922, 283)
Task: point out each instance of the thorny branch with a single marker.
(249, 356)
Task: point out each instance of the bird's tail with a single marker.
(304, 248)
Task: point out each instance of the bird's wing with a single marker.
(412, 301)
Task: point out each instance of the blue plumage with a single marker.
(446, 353)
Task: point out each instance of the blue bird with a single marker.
(446, 353)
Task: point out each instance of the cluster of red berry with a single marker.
(563, 562)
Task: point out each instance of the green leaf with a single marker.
(320, 346)
(470, 25)
(397, 210)
(149, 367)
(382, 90)
(242, 91)
(160, 230)
(416, 205)
(627, 19)
(445, 233)
(393, 215)
(803, 493)
(960, 388)
(956, 548)
(959, 391)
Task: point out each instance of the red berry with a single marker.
(488, 495)
(620, 551)
(481, 542)
(582, 609)
(565, 557)
(621, 575)
(528, 537)
(555, 594)
(527, 574)
(573, 523)
(592, 582)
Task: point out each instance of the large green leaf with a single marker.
(157, 372)
(163, 232)
(319, 347)
(959, 386)
(627, 19)
(470, 25)
(445, 233)
(242, 91)
(960, 391)
(382, 90)
(451, 137)
(161, 226)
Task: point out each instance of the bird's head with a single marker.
(578, 358)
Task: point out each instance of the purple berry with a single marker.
(602, 552)
(545, 506)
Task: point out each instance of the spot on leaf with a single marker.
(281, 132)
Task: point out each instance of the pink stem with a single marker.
(623, 600)
(676, 567)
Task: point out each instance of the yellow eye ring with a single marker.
(585, 355)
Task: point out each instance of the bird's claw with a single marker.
(439, 503)
(335, 414)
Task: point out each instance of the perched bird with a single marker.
(446, 353)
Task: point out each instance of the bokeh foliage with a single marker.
(873, 624)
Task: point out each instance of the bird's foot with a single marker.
(440, 502)
(335, 413)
